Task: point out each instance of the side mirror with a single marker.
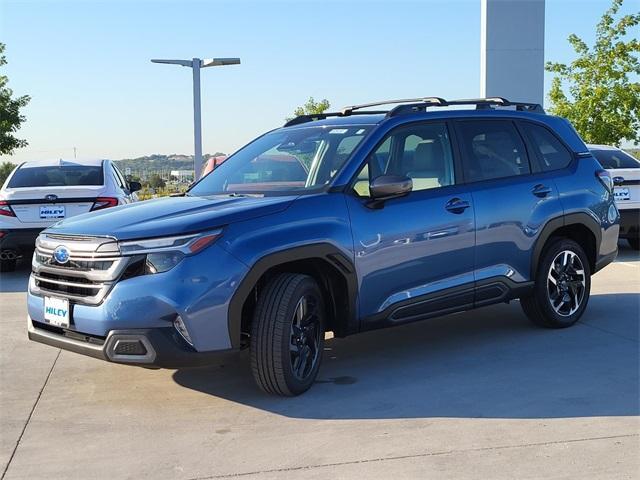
(135, 186)
(390, 186)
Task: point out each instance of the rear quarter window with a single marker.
(551, 153)
(57, 176)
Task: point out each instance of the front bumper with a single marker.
(19, 239)
(150, 347)
(198, 289)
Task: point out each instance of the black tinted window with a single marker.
(57, 176)
(613, 159)
(492, 149)
(551, 153)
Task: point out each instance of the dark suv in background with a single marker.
(343, 222)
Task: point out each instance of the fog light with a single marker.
(182, 329)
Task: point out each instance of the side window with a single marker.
(550, 151)
(421, 152)
(492, 149)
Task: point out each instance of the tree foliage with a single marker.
(603, 99)
(156, 181)
(312, 107)
(10, 117)
(5, 169)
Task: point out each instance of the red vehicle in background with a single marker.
(212, 163)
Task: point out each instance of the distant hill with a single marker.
(156, 163)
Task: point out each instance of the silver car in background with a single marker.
(625, 171)
(38, 194)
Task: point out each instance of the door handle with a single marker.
(541, 190)
(456, 205)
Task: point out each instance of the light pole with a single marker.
(196, 64)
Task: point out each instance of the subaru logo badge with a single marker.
(51, 197)
(61, 254)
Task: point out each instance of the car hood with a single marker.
(170, 216)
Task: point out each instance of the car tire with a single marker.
(634, 243)
(562, 286)
(287, 335)
(8, 265)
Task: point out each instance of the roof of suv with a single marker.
(429, 108)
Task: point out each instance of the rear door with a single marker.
(43, 195)
(513, 198)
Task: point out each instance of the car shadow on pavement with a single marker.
(487, 363)
(18, 281)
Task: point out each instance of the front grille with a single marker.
(83, 265)
(72, 286)
(94, 266)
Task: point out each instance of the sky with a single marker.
(86, 65)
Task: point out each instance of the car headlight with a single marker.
(164, 253)
(162, 262)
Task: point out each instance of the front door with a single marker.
(414, 254)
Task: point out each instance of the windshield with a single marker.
(284, 161)
(612, 159)
(56, 176)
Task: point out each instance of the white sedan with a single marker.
(38, 194)
(625, 171)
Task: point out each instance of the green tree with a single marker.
(156, 181)
(5, 169)
(312, 107)
(10, 117)
(603, 99)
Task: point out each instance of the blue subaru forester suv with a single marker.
(342, 222)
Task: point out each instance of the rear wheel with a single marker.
(634, 242)
(562, 286)
(287, 335)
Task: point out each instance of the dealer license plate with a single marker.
(56, 311)
(51, 211)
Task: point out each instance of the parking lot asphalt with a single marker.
(482, 394)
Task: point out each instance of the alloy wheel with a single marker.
(305, 337)
(566, 283)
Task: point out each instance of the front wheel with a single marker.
(562, 286)
(287, 335)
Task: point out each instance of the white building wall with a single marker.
(512, 49)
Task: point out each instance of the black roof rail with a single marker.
(425, 100)
(480, 103)
(483, 103)
(321, 116)
(411, 105)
